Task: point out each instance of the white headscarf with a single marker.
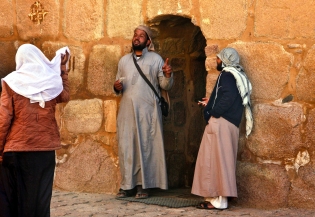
(149, 33)
(230, 62)
(230, 58)
(36, 77)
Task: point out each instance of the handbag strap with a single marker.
(145, 78)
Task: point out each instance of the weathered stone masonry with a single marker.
(276, 41)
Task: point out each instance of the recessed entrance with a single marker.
(184, 44)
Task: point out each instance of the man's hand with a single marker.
(167, 69)
(118, 85)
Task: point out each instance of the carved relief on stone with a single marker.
(37, 13)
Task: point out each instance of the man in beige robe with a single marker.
(139, 122)
(214, 177)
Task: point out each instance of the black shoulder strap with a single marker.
(144, 77)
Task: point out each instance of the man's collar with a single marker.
(144, 51)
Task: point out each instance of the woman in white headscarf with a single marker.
(215, 177)
(29, 134)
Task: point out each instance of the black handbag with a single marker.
(164, 105)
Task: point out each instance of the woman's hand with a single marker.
(64, 58)
(204, 102)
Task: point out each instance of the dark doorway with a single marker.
(184, 44)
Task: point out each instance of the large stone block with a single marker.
(223, 19)
(83, 116)
(127, 48)
(123, 17)
(277, 131)
(110, 111)
(242, 139)
(48, 28)
(102, 69)
(76, 63)
(89, 169)
(267, 65)
(83, 20)
(6, 18)
(310, 128)
(109, 140)
(282, 19)
(301, 195)
(307, 173)
(58, 114)
(211, 50)
(159, 7)
(262, 186)
(305, 82)
(211, 63)
(7, 53)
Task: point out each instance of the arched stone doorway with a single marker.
(183, 43)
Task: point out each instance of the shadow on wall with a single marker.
(184, 44)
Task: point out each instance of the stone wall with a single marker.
(276, 41)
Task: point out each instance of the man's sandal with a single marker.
(123, 193)
(142, 194)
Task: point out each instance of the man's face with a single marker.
(219, 64)
(140, 40)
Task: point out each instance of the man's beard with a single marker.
(219, 67)
(140, 46)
